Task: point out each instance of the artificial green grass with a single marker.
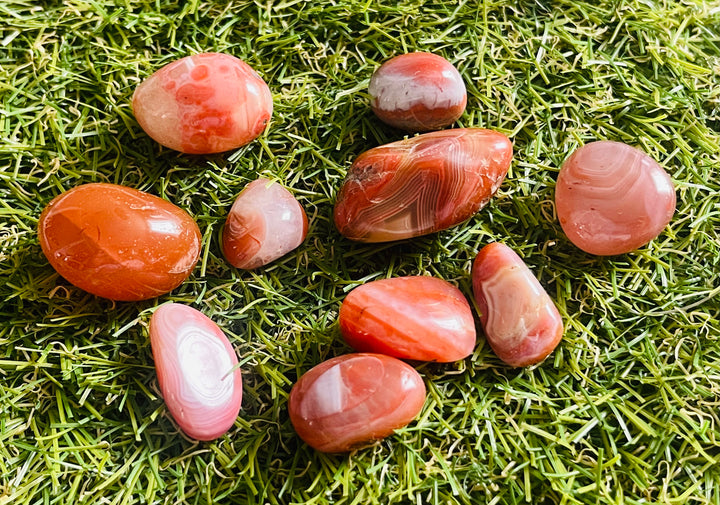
(626, 410)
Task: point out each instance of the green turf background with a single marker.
(626, 410)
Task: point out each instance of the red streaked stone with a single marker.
(417, 318)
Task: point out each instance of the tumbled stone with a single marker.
(202, 104)
(612, 198)
(417, 318)
(422, 184)
(197, 371)
(520, 321)
(265, 223)
(350, 401)
(117, 242)
(417, 92)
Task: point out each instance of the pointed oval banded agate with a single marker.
(521, 322)
(197, 371)
(422, 184)
(350, 401)
(418, 317)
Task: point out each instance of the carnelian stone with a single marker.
(521, 322)
(612, 198)
(417, 92)
(118, 242)
(265, 223)
(418, 318)
(353, 400)
(205, 103)
(422, 184)
(197, 371)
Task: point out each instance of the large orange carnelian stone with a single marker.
(205, 103)
(418, 318)
(521, 322)
(350, 401)
(422, 184)
(118, 242)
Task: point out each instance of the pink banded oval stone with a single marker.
(422, 184)
(417, 92)
(521, 322)
(265, 223)
(202, 104)
(353, 400)
(612, 198)
(417, 318)
(197, 371)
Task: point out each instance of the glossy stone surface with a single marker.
(118, 242)
(612, 198)
(353, 400)
(417, 92)
(422, 184)
(197, 371)
(417, 318)
(521, 322)
(205, 103)
(265, 223)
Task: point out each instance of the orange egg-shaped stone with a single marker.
(205, 103)
(422, 184)
(417, 92)
(521, 322)
(612, 198)
(353, 400)
(197, 371)
(265, 223)
(117, 242)
(418, 318)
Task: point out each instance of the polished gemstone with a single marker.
(417, 318)
(521, 322)
(205, 103)
(417, 92)
(265, 223)
(197, 370)
(117, 242)
(353, 400)
(422, 184)
(612, 198)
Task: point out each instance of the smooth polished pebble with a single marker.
(421, 185)
(417, 92)
(351, 401)
(520, 320)
(265, 223)
(612, 198)
(197, 371)
(202, 104)
(418, 318)
(117, 242)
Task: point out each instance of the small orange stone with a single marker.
(117, 242)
